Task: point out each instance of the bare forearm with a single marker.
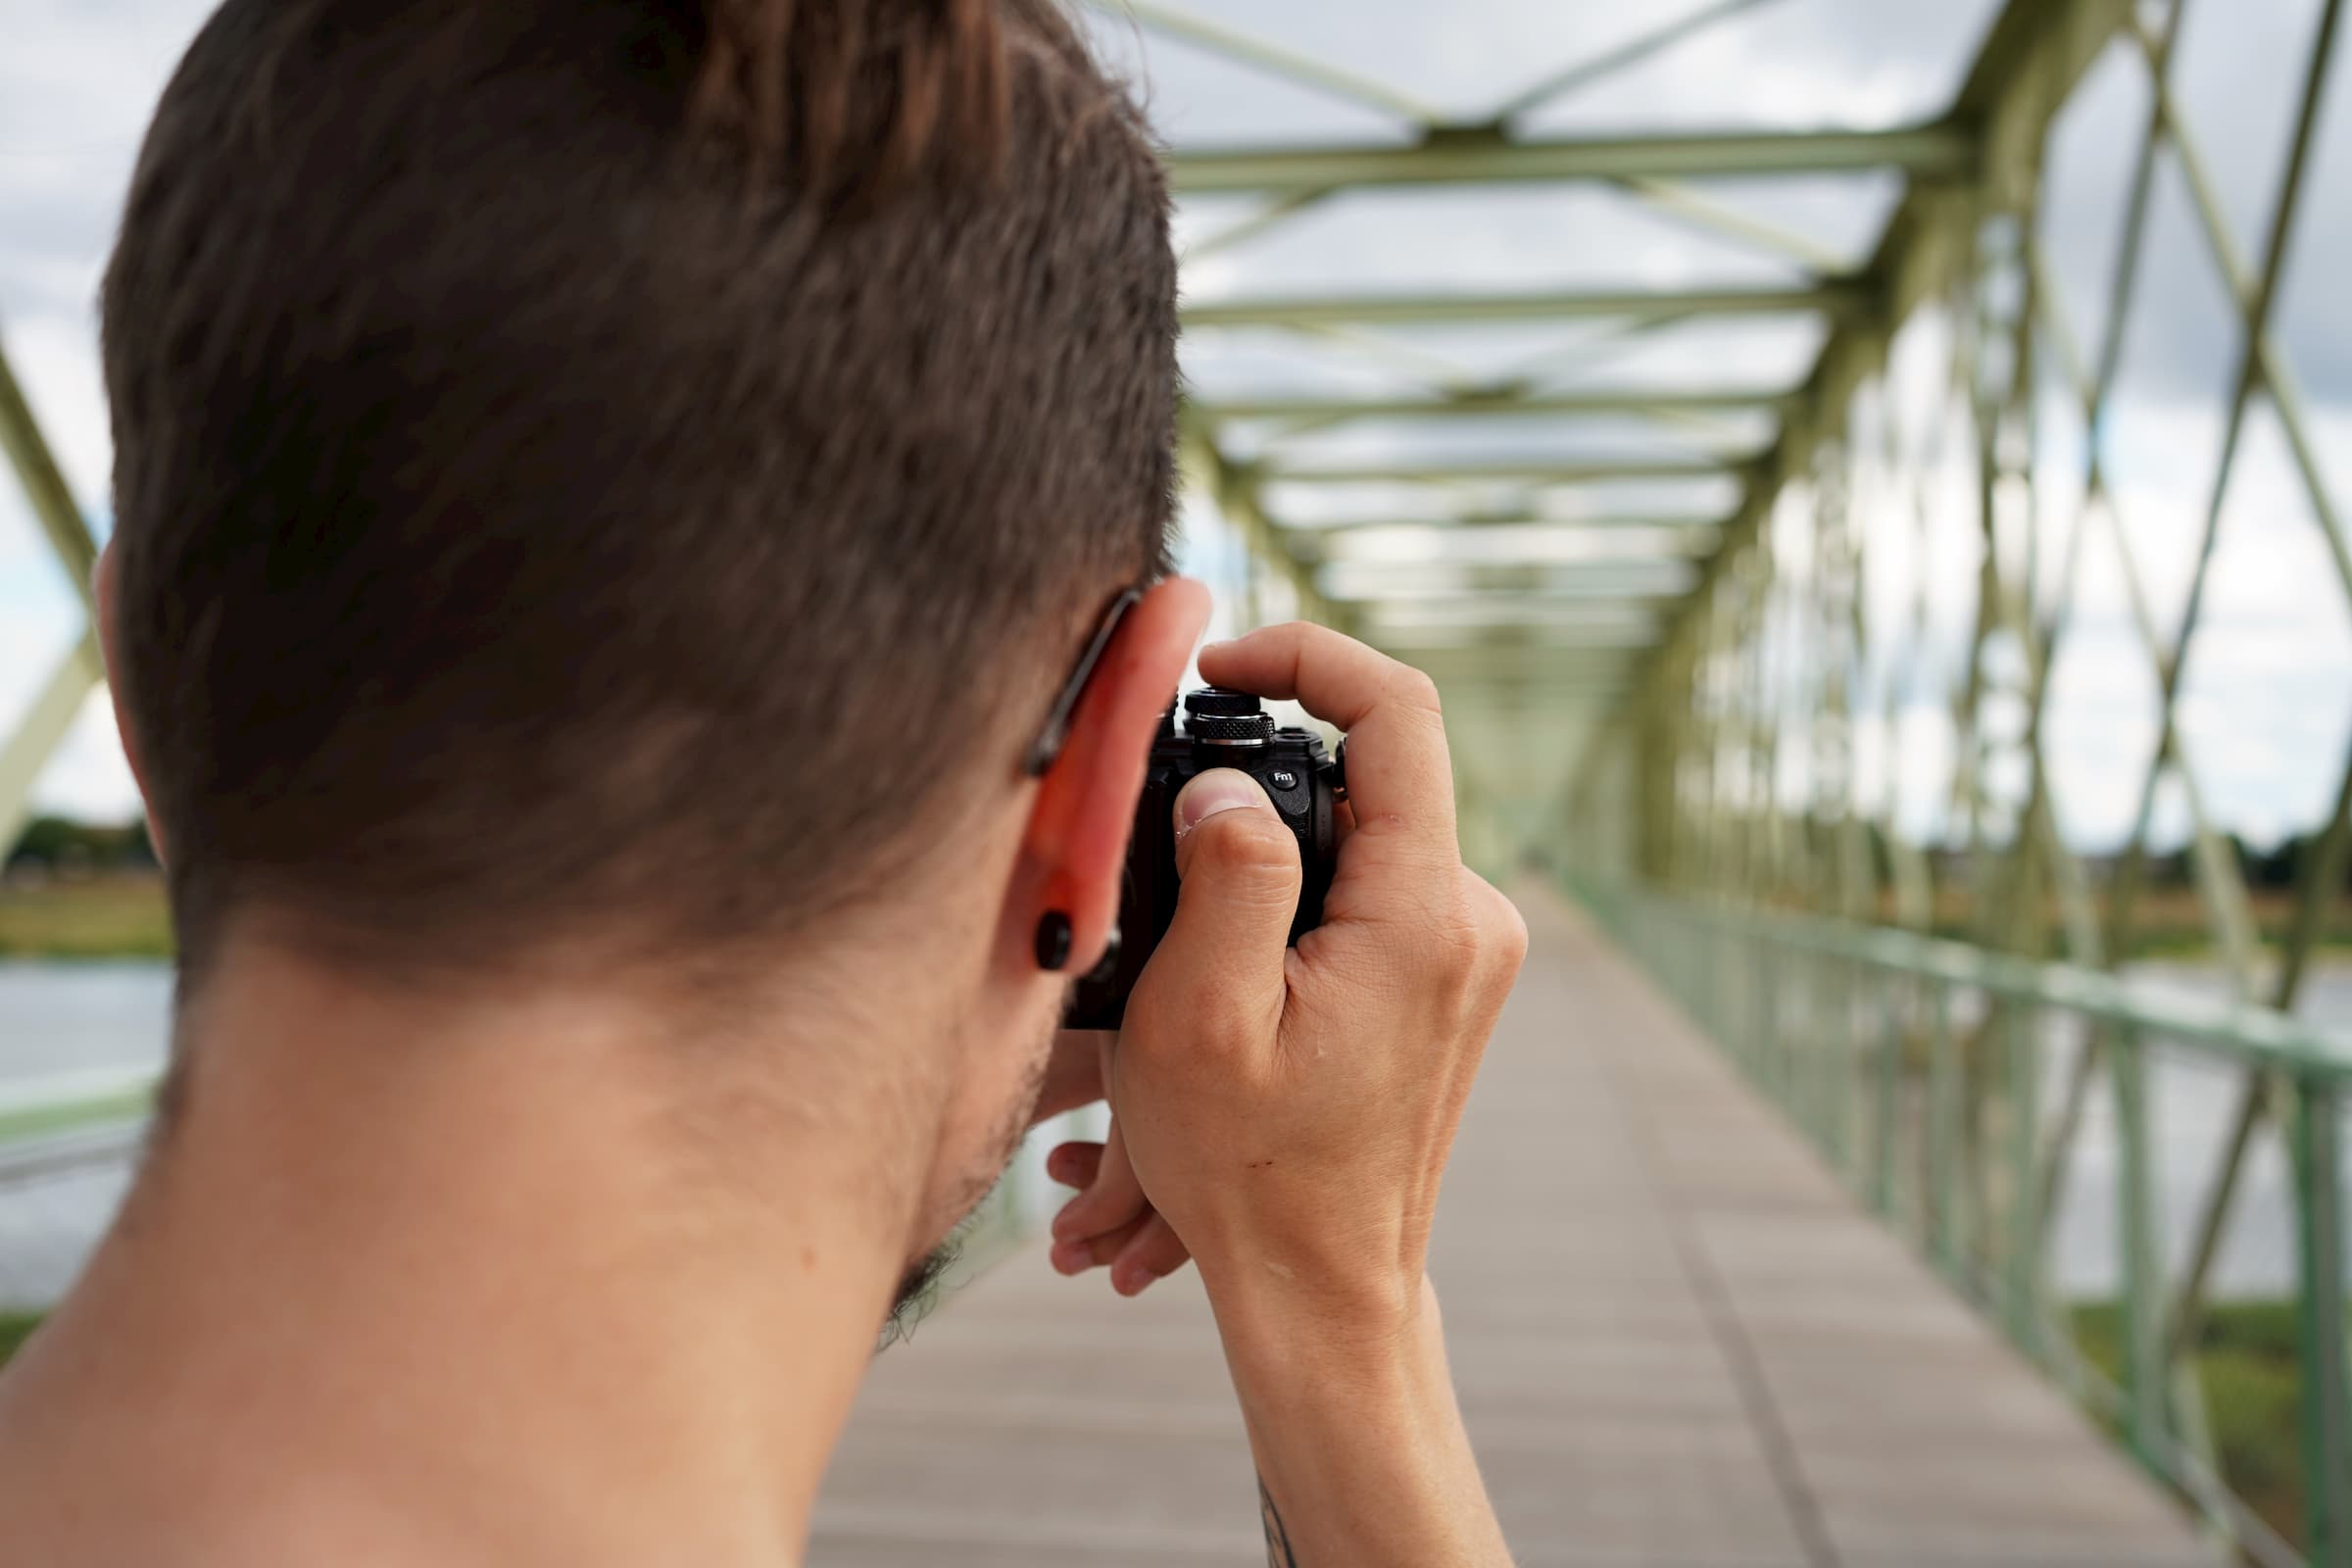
(1361, 1456)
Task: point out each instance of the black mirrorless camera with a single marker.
(1221, 729)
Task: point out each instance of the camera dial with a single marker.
(1216, 717)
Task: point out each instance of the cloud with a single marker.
(88, 776)
(1795, 62)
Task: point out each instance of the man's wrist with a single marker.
(1363, 1329)
(1355, 1428)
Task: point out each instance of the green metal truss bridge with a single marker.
(1683, 624)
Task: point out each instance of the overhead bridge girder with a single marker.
(1834, 297)
(1485, 155)
(1487, 404)
(1514, 471)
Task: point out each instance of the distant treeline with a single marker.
(2275, 868)
(59, 845)
(2280, 867)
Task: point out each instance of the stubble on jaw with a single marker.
(920, 1285)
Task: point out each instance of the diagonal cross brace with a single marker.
(53, 711)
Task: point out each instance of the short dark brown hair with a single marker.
(605, 469)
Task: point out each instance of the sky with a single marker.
(2267, 708)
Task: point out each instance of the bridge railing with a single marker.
(1935, 1078)
(66, 1154)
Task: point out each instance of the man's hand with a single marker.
(1288, 1112)
(1110, 1221)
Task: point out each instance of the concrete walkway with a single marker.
(1678, 1344)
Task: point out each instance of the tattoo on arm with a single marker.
(1278, 1540)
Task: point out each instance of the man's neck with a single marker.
(384, 1282)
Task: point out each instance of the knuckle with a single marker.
(1507, 930)
(1514, 946)
(1477, 941)
(1411, 687)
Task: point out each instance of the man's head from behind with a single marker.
(610, 488)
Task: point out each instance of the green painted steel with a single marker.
(45, 489)
(30, 1123)
(2241, 1032)
(2315, 1145)
(1512, 471)
(43, 725)
(1781, 992)
(1454, 155)
(1834, 297)
(2145, 1377)
(1486, 403)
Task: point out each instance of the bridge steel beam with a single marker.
(1456, 154)
(54, 510)
(1697, 527)
(1489, 404)
(43, 725)
(40, 731)
(1836, 297)
(1510, 471)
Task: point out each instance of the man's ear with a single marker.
(110, 638)
(1075, 849)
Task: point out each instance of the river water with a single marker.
(2193, 1098)
(81, 1028)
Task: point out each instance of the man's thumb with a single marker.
(1236, 866)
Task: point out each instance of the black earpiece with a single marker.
(1052, 940)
